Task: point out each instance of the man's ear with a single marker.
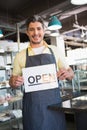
(26, 32)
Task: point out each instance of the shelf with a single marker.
(12, 99)
(12, 119)
(2, 68)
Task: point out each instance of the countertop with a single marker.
(73, 104)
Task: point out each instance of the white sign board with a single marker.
(40, 78)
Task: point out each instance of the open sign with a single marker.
(43, 79)
(38, 79)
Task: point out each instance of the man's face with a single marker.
(35, 32)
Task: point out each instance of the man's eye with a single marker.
(38, 28)
(30, 29)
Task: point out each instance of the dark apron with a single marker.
(36, 116)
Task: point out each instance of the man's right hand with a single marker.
(16, 81)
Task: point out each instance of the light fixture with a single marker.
(1, 34)
(54, 23)
(83, 34)
(79, 2)
(54, 33)
(85, 38)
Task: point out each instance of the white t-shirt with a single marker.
(38, 50)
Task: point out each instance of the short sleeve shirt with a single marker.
(20, 58)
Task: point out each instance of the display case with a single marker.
(81, 74)
(79, 82)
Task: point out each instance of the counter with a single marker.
(77, 106)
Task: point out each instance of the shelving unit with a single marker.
(10, 100)
(11, 114)
(10, 109)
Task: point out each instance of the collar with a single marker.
(44, 43)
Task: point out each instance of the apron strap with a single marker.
(53, 56)
(50, 51)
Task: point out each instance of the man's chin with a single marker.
(36, 42)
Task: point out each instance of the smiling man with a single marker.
(36, 116)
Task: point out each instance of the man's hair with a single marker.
(35, 18)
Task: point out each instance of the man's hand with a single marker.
(16, 81)
(65, 74)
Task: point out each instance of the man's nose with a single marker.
(36, 31)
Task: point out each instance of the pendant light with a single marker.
(85, 38)
(78, 2)
(1, 34)
(54, 23)
(54, 33)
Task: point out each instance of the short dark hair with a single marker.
(35, 18)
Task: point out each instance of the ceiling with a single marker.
(13, 14)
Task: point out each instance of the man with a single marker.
(36, 116)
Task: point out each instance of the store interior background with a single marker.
(71, 38)
(14, 13)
